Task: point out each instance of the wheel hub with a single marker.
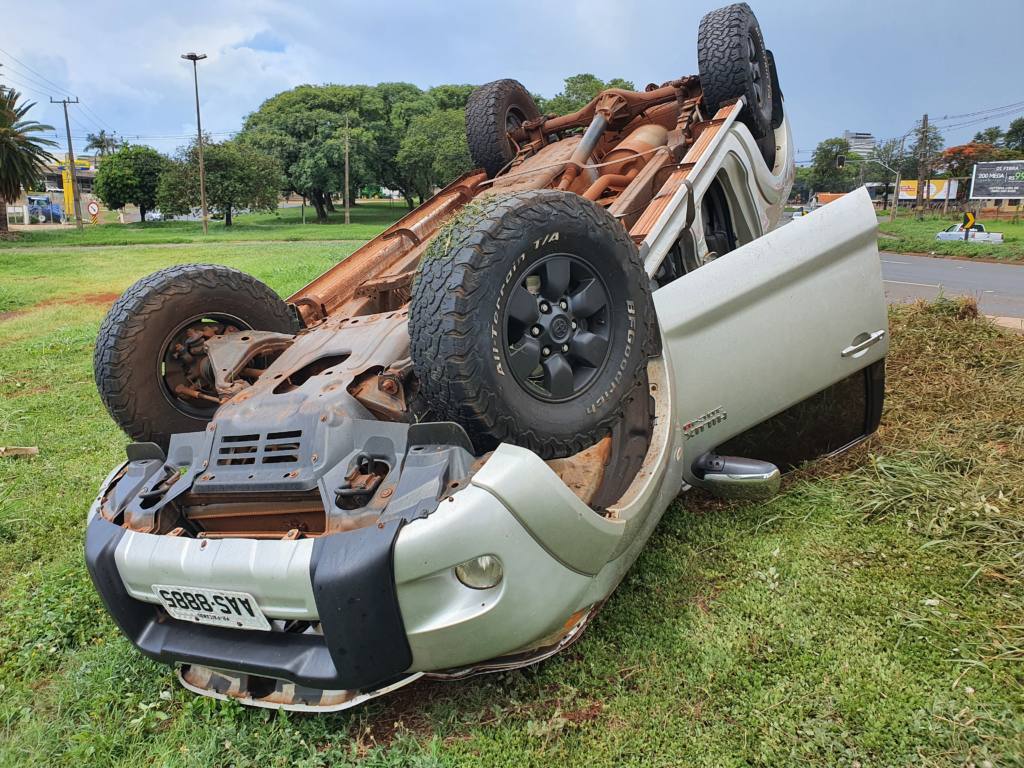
(184, 368)
(557, 328)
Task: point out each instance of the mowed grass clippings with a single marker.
(869, 615)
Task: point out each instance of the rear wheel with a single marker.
(531, 322)
(733, 62)
(493, 111)
(150, 363)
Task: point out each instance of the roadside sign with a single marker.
(968, 220)
(999, 180)
(94, 211)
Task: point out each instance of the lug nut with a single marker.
(575, 325)
(545, 307)
(535, 330)
(563, 304)
(565, 347)
(546, 351)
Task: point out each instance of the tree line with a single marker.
(880, 165)
(400, 137)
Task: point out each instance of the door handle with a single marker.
(869, 340)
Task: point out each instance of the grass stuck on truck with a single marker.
(441, 456)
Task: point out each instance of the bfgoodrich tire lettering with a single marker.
(478, 306)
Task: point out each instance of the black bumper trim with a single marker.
(363, 645)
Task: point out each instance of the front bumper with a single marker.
(363, 643)
(386, 598)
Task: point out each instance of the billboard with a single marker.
(936, 189)
(999, 180)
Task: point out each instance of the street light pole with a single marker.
(195, 58)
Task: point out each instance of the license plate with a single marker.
(217, 607)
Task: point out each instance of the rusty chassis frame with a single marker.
(628, 151)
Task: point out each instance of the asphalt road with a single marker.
(999, 288)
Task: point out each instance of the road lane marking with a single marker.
(901, 282)
(890, 261)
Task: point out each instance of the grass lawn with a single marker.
(908, 235)
(367, 220)
(870, 615)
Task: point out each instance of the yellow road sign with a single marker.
(968, 220)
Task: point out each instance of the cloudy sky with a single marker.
(862, 65)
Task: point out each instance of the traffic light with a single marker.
(840, 161)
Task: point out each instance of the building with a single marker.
(860, 143)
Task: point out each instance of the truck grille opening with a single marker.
(275, 448)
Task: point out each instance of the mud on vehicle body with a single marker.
(495, 399)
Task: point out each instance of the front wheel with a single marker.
(150, 363)
(531, 322)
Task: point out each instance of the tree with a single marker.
(103, 143)
(825, 176)
(23, 154)
(434, 150)
(802, 187)
(578, 91)
(992, 135)
(130, 175)
(1014, 137)
(960, 160)
(237, 176)
(882, 163)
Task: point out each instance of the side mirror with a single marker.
(733, 477)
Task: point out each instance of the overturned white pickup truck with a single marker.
(441, 456)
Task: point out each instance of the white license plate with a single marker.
(217, 607)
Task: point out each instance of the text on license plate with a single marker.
(217, 607)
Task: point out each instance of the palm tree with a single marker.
(23, 156)
(103, 142)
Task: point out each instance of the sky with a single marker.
(860, 65)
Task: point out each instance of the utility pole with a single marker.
(195, 58)
(922, 165)
(347, 219)
(71, 160)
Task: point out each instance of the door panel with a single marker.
(774, 322)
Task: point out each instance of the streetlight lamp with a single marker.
(195, 58)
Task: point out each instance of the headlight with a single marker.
(481, 572)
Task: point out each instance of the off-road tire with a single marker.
(461, 300)
(490, 111)
(131, 339)
(724, 40)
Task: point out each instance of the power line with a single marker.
(30, 69)
(32, 80)
(1015, 106)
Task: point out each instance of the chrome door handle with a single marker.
(860, 346)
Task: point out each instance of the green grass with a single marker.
(908, 235)
(872, 614)
(367, 220)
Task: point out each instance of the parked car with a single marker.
(977, 234)
(441, 456)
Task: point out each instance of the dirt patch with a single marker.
(95, 299)
(104, 299)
